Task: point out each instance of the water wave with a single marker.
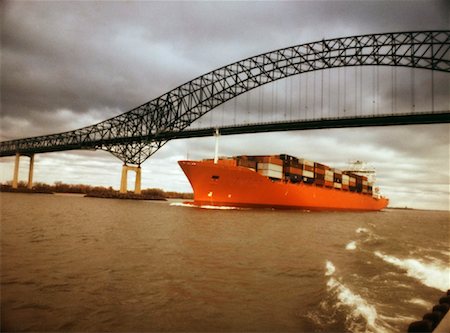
(431, 274)
(420, 302)
(330, 268)
(359, 307)
(351, 246)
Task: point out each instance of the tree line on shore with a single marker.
(60, 187)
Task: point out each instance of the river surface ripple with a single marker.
(70, 263)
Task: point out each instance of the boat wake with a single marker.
(192, 205)
(432, 274)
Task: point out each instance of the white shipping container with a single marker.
(308, 174)
(364, 182)
(271, 173)
(329, 179)
(270, 166)
(306, 162)
(337, 185)
(353, 180)
(329, 173)
(345, 179)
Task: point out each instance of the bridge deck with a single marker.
(43, 144)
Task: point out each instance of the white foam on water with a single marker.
(351, 246)
(182, 204)
(361, 230)
(358, 305)
(330, 269)
(430, 274)
(420, 302)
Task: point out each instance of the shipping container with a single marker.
(308, 167)
(308, 174)
(306, 162)
(318, 171)
(345, 180)
(320, 176)
(270, 166)
(271, 160)
(246, 163)
(292, 170)
(337, 185)
(271, 173)
(328, 183)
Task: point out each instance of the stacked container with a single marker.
(307, 170)
(270, 166)
(352, 182)
(337, 179)
(292, 170)
(247, 162)
(319, 171)
(329, 178)
(345, 182)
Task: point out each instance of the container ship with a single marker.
(279, 181)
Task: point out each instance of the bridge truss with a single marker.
(137, 134)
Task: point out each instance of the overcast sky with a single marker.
(65, 65)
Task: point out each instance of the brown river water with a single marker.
(76, 264)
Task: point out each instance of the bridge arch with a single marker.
(135, 135)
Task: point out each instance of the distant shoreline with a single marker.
(96, 192)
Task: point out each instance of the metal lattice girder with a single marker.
(133, 136)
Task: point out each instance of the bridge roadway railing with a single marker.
(65, 141)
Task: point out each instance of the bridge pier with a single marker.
(15, 182)
(124, 179)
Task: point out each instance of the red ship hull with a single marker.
(229, 185)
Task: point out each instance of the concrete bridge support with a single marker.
(124, 180)
(15, 182)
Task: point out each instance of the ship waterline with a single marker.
(226, 184)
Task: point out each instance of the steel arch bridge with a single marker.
(137, 134)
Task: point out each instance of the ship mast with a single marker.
(216, 150)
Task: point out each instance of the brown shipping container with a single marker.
(247, 163)
(292, 170)
(319, 176)
(319, 171)
(272, 160)
(308, 168)
(328, 184)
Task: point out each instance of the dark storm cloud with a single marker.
(114, 55)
